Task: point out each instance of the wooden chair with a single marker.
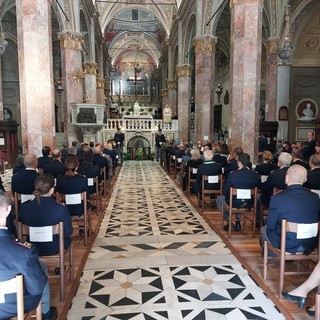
(177, 165)
(285, 256)
(240, 193)
(104, 181)
(18, 199)
(98, 193)
(191, 180)
(86, 213)
(15, 285)
(209, 179)
(60, 258)
(172, 161)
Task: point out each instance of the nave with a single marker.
(155, 257)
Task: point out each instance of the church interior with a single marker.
(201, 71)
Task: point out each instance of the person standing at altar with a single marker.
(119, 140)
(160, 139)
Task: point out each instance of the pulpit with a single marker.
(9, 140)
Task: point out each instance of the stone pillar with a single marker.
(271, 80)
(1, 94)
(72, 77)
(172, 95)
(204, 91)
(245, 72)
(100, 78)
(164, 95)
(35, 74)
(283, 86)
(90, 71)
(184, 73)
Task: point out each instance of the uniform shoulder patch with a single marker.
(22, 243)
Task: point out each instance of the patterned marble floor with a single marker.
(156, 258)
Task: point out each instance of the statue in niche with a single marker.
(136, 109)
(307, 113)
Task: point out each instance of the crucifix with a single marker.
(135, 81)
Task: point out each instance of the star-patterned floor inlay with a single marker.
(156, 258)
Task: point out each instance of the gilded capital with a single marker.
(184, 70)
(205, 43)
(272, 46)
(234, 2)
(71, 40)
(172, 84)
(100, 83)
(164, 92)
(90, 68)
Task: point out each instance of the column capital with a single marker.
(171, 84)
(235, 2)
(164, 92)
(90, 67)
(205, 43)
(71, 40)
(184, 70)
(100, 83)
(272, 45)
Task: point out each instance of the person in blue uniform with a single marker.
(313, 178)
(44, 211)
(159, 139)
(56, 166)
(295, 204)
(72, 183)
(242, 178)
(21, 257)
(42, 161)
(23, 182)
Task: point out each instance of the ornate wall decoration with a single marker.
(90, 68)
(70, 40)
(234, 2)
(272, 45)
(164, 92)
(190, 32)
(101, 84)
(312, 43)
(172, 84)
(205, 43)
(184, 70)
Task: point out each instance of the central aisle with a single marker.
(156, 258)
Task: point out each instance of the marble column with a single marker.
(35, 74)
(283, 89)
(90, 71)
(184, 73)
(245, 73)
(172, 95)
(1, 94)
(271, 80)
(204, 91)
(100, 77)
(72, 77)
(164, 96)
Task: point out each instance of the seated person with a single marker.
(313, 177)
(21, 257)
(99, 159)
(290, 204)
(64, 151)
(20, 164)
(44, 211)
(266, 166)
(56, 166)
(242, 178)
(217, 157)
(45, 157)
(232, 161)
(297, 159)
(23, 182)
(207, 168)
(72, 183)
(276, 178)
(194, 162)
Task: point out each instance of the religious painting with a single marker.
(7, 114)
(306, 109)
(283, 113)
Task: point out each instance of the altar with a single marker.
(138, 117)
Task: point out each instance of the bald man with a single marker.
(56, 166)
(295, 204)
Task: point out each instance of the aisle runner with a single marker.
(156, 258)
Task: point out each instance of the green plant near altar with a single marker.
(139, 155)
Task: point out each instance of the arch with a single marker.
(139, 148)
(188, 43)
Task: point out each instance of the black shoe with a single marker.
(300, 300)
(311, 313)
(226, 228)
(238, 226)
(52, 314)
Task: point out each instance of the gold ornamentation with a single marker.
(205, 43)
(164, 92)
(234, 2)
(69, 40)
(184, 70)
(90, 67)
(100, 83)
(172, 84)
(78, 76)
(272, 46)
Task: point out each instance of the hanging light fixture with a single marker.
(3, 42)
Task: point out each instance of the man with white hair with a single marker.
(276, 178)
(295, 204)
